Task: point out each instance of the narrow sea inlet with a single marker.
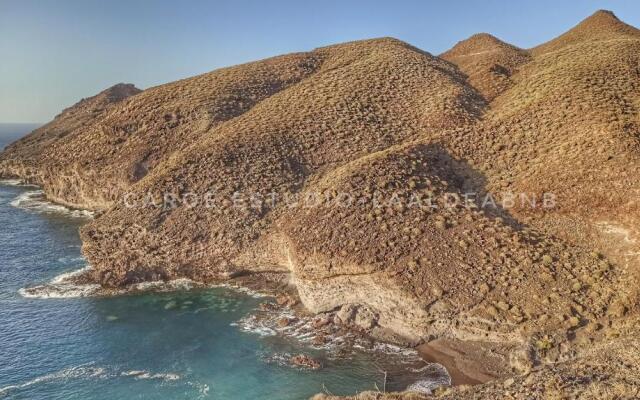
(195, 344)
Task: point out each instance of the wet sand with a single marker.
(465, 366)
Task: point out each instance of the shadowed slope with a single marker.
(569, 127)
(430, 265)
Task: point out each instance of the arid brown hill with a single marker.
(488, 62)
(601, 26)
(569, 126)
(387, 140)
(365, 97)
(30, 149)
(135, 135)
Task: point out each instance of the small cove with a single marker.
(185, 344)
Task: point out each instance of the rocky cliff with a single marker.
(487, 195)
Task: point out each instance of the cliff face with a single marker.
(348, 169)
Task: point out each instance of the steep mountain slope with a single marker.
(430, 266)
(364, 123)
(366, 97)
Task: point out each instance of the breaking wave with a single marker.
(149, 375)
(66, 286)
(282, 321)
(79, 372)
(35, 201)
(16, 182)
(62, 286)
(435, 375)
(87, 371)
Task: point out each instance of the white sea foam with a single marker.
(427, 386)
(150, 375)
(62, 286)
(65, 286)
(265, 322)
(67, 276)
(87, 371)
(162, 286)
(35, 201)
(249, 292)
(435, 376)
(15, 182)
(280, 359)
(203, 389)
(132, 373)
(70, 259)
(301, 329)
(59, 291)
(81, 371)
(10, 182)
(254, 324)
(388, 348)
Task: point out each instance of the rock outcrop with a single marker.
(487, 195)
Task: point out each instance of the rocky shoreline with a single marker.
(338, 332)
(470, 362)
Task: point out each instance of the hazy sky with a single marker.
(52, 53)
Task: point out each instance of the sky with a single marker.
(53, 53)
